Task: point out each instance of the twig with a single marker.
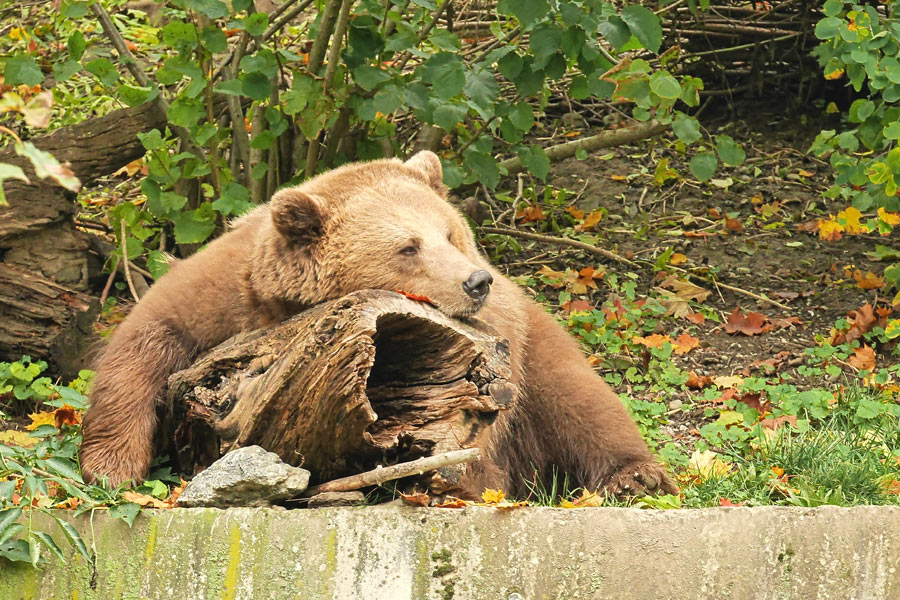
(127, 269)
(382, 474)
(562, 242)
(140, 77)
(607, 139)
(109, 282)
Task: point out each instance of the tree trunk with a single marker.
(369, 379)
(44, 319)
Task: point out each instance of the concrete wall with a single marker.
(398, 552)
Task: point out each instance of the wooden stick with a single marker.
(398, 471)
(606, 139)
(127, 269)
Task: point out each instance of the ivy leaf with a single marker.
(644, 25)
(22, 69)
(729, 151)
(703, 165)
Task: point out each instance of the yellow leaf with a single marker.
(889, 218)
(850, 216)
(492, 496)
(830, 230)
(729, 381)
(677, 259)
(837, 74)
(17, 438)
(708, 464)
(41, 418)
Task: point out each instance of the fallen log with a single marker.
(44, 319)
(372, 378)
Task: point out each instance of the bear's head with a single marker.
(384, 224)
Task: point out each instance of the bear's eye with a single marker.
(410, 250)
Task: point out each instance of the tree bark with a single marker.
(43, 319)
(372, 378)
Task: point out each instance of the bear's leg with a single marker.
(131, 377)
(570, 420)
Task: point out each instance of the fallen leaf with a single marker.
(651, 341)
(575, 212)
(861, 322)
(491, 496)
(728, 381)
(531, 213)
(40, 418)
(888, 218)
(727, 502)
(11, 437)
(778, 422)
(416, 499)
(416, 297)
(588, 499)
(755, 401)
(849, 218)
(708, 464)
(144, 500)
(571, 306)
(677, 258)
(830, 230)
(590, 221)
(66, 415)
(451, 502)
(733, 224)
(586, 277)
(685, 289)
(863, 358)
(698, 382)
(696, 318)
(750, 324)
(869, 281)
(685, 343)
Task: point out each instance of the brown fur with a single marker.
(383, 225)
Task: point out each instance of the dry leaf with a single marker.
(863, 358)
(651, 341)
(144, 500)
(416, 499)
(590, 221)
(750, 324)
(696, 318)
(40, 418)
(685, 289)
(451, 502)
(869, 281)
(66, 415)
(728, 381)
(685, 343)
(491, 496)
(416, 297)
(698, 382)
(11, 437)
(708, 464)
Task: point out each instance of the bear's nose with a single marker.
(478, 285)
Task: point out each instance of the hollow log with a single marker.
(44, 319)
(372, 378)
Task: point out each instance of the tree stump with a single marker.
(372, 378)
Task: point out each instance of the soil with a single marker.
(778, 256)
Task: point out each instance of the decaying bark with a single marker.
(372, 378)
(44, 319)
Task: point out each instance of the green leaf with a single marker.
(193, 226)
(127, 512)
(157, 264)
(47, 541)
(133, 96)
(185, 112)
(447, 115)
(74, 10)
(16, 551)
(214, 9)
(10, 531)
(103, 70)
(446, 74)
(522, 116)
(256, 24)
(232, 87)
(615, 31)
(151, 140)
(63, 468)
(235, 200)
(369, 77)
(239, 5)
(64, 70)
(7, 518)
(828, 28)
(892, 131)
(536, 161)
(21, 69)
(703, 165)
(483, 166)
(257, 86)
(46, 166)
(74, 538)
(510, 65)
(664, 85)
(481, 88)
(644, 25)
(526, 11)
(8, 171)
(731, 153)
(76, 45)
(686, 128)
(214, 39)
(545, 40)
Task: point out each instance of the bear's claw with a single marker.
(640, 479)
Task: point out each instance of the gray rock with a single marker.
(247, 476)
(336, 499)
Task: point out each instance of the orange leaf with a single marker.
(619, 177)
(698, 382)
(727, 502)
(869, 281)
(66, 415)
(696, 318)
(750, 324)
(590, 221)
(863, 358)
(830, 230)
(416, 297)
(144, 500)
(733, 224)
(575, 212)
(651, 341)
(452, 502)
(416, 499)
(530, 213)
(778, 422)
(577, 306)
(685, 344)
(677, 259)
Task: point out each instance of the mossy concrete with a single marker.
(399, 552)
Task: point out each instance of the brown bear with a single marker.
(384, 224)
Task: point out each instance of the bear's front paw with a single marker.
(640, 479)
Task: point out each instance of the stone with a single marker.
(248, 476)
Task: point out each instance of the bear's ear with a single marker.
(297, 216)
(428, 166)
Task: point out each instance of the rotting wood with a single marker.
(372, 378)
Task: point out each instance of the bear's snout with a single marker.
(478, 285)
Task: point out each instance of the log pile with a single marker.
(372, 378)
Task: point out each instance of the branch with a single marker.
(549, 239)
(382, 474)
(127, 57)
(607, 139)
